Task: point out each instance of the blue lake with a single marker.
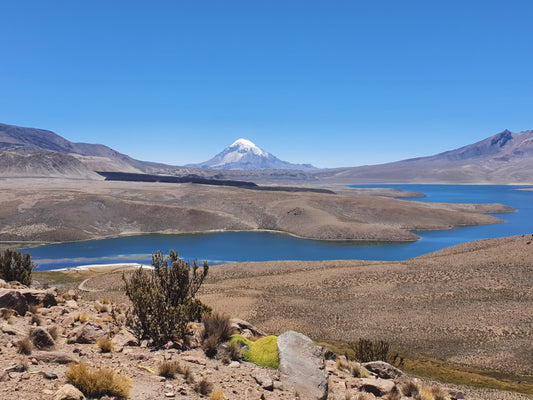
(263, 246)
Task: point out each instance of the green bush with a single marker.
(163, 298)
(16, 267)
(263, 352)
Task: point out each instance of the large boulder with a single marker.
(41, 338)
(301, 365)
(14, 300)
(37, 296)
(89, 332)
(378, 387)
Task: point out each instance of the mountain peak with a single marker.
(245, 145)
(244, 154)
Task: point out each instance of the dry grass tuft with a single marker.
(98, 382)
(217, 395)
(203, 387)
(36, 320)
(354, 368)
(210, 345)
(218, 325)
(25, 346)
(169, 369)
(53, 331)
(105, 345)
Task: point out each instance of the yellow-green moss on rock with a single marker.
(263, 352)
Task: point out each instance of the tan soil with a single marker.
(64, 210)
(471, 303)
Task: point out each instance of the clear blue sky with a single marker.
(332, 83)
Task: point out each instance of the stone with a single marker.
(264, 381)
(55, 357)
(41, 338)
(14, 300)
(16, 368)
(88, 333)
(71, 304)
(457, 395)
(378, 387)
(242, 325)
(37, 296)
(234, 364)
(50, 375)
(3, 284)
(6, 313)
(301, 364)
(4, 376)
(68, 392)
(124, 338)
(383, 370)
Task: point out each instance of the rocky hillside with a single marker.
(505, 158)
(46, 339)
(44, 164)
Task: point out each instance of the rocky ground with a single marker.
(65, 332)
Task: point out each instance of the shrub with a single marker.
(25, 346)
(98, 382)
(203, 387)
(16, 267)
(263, 352)
(164, 298)
(105, 345)
(366, 350)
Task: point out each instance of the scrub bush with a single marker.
(163, 298)
(16, 267)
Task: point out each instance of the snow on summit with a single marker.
(244, 154)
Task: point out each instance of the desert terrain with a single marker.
(471, 304)
(56, 210)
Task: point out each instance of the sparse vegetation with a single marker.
(354, 368)
(105, 345)
(263, 352)
(169, 369)
(25, 346)
(164, 298)
(366, 350)
(203, 387)
(217, 329)
(16, 267)
(98, 382)
(53, 331)
(217, 395)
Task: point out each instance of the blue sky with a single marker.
(332, 83)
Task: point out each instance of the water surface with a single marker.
(264, 246)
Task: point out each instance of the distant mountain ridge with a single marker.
(244, 154)
(504, 158)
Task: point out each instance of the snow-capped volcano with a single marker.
(244, 154)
